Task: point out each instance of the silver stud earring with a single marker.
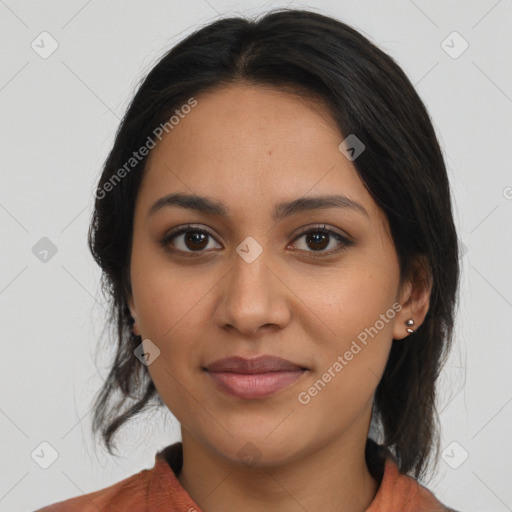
(409, 322)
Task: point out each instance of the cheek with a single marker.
(350, 367)
(350, 299)
(357, 307)
(171, 315)
(167, 297)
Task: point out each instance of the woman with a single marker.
(274, 226)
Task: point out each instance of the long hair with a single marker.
(402, 167)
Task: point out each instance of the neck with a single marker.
(333, 477)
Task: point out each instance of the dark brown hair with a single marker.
(402, 167)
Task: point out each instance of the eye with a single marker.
(192, 238)
(319, 238)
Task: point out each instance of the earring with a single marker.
(409, 322)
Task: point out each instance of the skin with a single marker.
(251, 147)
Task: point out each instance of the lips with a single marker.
(253, 378)
(262, 364)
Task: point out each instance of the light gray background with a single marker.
(58, 120)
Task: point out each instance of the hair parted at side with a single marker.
(402, 167)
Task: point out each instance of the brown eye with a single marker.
(190, 239)
(195, 240)
(187, 239)
(318, 239)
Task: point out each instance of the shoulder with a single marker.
(402, 492)
(156, 489)
(398, 491)
(128, 494)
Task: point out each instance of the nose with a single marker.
(253, 295)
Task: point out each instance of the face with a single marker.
(318, 287)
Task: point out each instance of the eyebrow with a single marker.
(281, 210)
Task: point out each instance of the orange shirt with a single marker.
(158, 490)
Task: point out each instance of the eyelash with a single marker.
(344, 242)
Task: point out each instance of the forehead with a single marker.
(253, 146)
(247, 116)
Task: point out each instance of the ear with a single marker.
(414, 296)
(133, 312)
